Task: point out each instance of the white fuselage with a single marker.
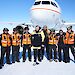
(45, 14)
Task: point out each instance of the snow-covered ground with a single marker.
(44, 68)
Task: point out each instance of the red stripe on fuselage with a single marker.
(46, 9)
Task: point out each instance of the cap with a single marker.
(5, 29)
(60, 30)
(69, 27)
(14, 29)
(38, 26)
(26, 28)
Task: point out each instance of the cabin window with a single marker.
(54, 4)
(37, 3)
(46, 2)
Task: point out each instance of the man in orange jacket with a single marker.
(53, 40)
(15, 45)
(69, 42)
(5, 46)
(26, 42)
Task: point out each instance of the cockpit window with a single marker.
(45, 2)
(37, 3)
(54, 4)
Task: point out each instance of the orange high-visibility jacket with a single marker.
(26, 39)
(15, 39)
(52, 39)
(6, 40)
(69, 38)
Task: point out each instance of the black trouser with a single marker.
(0, 58)
(0, 61)
(3, 51)
(66, 53)
(42, 48)
(15, 53)
(71, 46)
(0, 64)
(24, 52)
(37, 54)
(52, 47)
(72, 50)
(46, 40)
(47, 50)
(61, 47)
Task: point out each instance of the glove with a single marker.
(30, 45)
(42, 44)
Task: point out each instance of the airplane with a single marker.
(47, 12)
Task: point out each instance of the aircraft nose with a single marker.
(43, 16)
(39, 14)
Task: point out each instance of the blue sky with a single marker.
(18, 10)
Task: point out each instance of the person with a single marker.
(0, 54)
(69, 42)
(26, 42)
(46, 32)
(15, 45)
(5, 46)
(53, 40)
(0, 60)
(37, 40)
(61, 45)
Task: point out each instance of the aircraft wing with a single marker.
(62, 25)
(11, 22)
(69, 24)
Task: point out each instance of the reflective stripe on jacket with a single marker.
(26, 38)
(69, 38)
(16, 39)
(6, 40)
(52, 39)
